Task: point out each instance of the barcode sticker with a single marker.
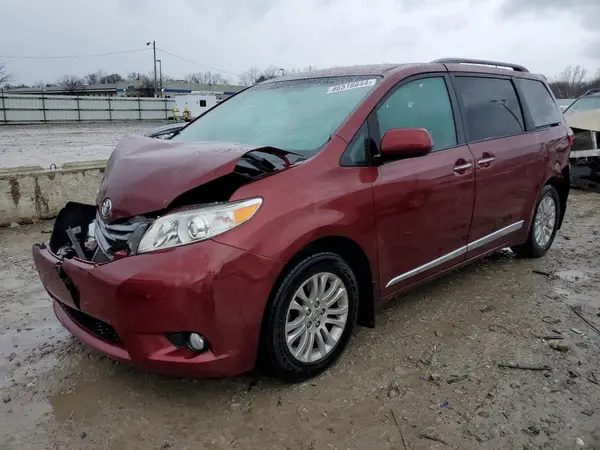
(352, 85)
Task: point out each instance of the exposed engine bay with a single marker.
(75, 235)
(89, 233)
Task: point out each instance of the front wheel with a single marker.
(543, 227)
(311, 318)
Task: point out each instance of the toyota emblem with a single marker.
(106, 208)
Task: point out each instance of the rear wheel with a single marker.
(311, 317)
(543, 227)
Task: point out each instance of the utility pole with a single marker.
(154, 60)
(159, 61)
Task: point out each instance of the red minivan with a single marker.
(264, 230)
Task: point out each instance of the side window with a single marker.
(492, 108)
(356, 153)
(543, 110)
(422, 103)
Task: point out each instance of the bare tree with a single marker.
(207, 77)
(570, 83)
(145, 86)
(270, 72)
(9, 86)
(249, 77)
(135, 76)
(110, 79)
(5, 75)
(95, 77)
(39, 84)
(595, 82)
(71, 83)
(301, 70)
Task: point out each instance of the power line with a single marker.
(197, 63)
(75, 56)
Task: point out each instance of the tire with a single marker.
(275, 353)
(533, 248)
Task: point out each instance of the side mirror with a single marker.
(406, 143)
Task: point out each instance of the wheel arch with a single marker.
(562, 184)
(358, 261)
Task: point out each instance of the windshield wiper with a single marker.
(283, 154)
(260, 162)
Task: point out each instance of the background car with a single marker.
(583, 116)
(166, 131)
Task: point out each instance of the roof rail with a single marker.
(592, 91)
(481, 62)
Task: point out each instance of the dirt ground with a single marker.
(46, 144)
(429, 370)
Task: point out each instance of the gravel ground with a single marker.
(46, 144)
(428, 373)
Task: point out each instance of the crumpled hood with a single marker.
(145, 174)
(585, 120)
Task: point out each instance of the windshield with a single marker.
(299, 115)
(583, 104)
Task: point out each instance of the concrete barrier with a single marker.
(29, 193)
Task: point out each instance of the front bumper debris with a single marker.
(127, 308)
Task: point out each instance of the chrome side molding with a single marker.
(456, 253)
(495, 235)
(430, 265)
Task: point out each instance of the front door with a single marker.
(509, 161)
(423, 205)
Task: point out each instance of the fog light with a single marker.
(196, 342)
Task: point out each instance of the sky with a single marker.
(233, 35)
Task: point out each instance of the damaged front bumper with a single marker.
(129, 308)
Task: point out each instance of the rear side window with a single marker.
(492, 108)
(544, 111)
(422, 103)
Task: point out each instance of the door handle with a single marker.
(484, 161)
(462, 167)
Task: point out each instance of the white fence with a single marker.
(15, 108)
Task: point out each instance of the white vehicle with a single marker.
(194, 103)
(583, 116)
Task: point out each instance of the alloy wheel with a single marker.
(316, 317)
(545, 221)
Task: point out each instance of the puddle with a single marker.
(571, 275)
(583, 300)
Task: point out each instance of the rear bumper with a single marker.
(209, 288)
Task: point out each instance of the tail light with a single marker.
(571, 138)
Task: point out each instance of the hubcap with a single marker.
(545, 220)
(316, 317)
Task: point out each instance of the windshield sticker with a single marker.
(352, 85)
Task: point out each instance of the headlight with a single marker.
(194, 225)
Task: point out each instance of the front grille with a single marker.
(114, 237)
(94, 326)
